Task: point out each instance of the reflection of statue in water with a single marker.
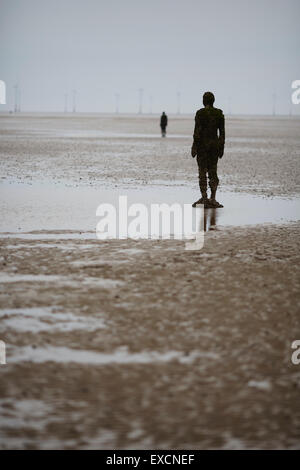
(209, 140)
(163, 124)
(210, 219)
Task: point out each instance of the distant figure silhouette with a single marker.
(163, 124)
(209, 141)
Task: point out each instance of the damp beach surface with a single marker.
(141, 343)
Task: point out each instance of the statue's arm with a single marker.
(221, 128)
(196, 135)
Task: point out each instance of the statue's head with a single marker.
(208, 98)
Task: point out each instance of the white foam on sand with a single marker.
(264, 385)
(40, 319)
(119, 356)
(61, 280)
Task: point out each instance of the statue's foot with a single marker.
(202, 200)
(213, 203)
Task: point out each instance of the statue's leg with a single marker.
(202, 168)
(213, 180)
(202, 172)
(213, 184)
(203, 182)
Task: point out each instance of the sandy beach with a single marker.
(141, 344)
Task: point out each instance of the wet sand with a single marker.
(262, 153)
(142, 344)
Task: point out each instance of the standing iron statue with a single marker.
(163, 124)
(208, 145)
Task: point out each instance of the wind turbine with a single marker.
(74, 100)
(141, 93)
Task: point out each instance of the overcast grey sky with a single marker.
(243, 51)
